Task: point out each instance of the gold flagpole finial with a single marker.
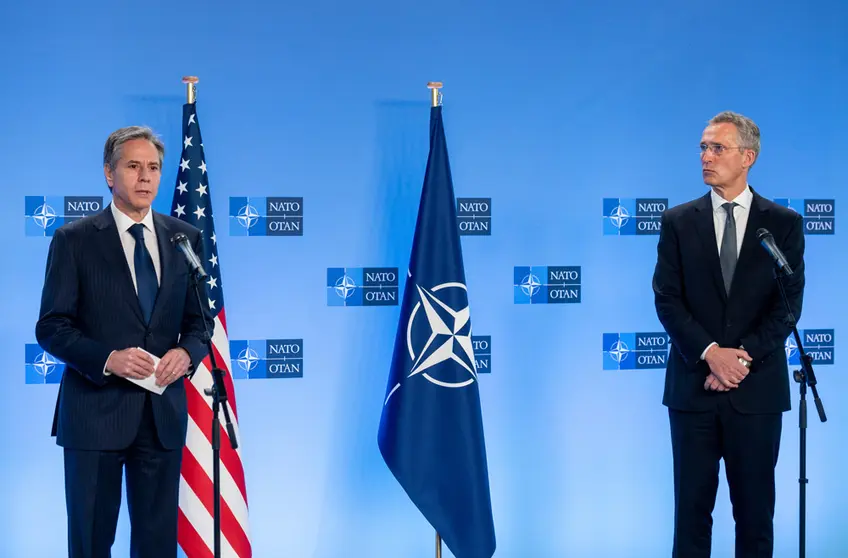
(435, 88)
(191, 88)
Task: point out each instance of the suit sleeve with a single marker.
(686, 333)
(192, 332)
(57, 329)
(774, 327)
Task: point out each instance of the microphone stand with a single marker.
(805, 376)
(218, 393)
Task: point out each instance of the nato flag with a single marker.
(431, 429)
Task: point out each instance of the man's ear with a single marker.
(110, 177)
(749, 158)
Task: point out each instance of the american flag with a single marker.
(193, 204)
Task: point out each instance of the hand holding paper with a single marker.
(149, 383)
(130, 363)
(173, 366)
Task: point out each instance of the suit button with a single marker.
(147, 334)
(729, 323)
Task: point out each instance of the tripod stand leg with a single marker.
(802, 477)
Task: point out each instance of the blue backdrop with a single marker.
(549, 110)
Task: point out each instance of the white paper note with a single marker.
(149, 383)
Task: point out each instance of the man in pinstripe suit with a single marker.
(114, 284)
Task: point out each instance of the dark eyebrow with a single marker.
(139, 162)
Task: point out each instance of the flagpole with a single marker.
(191, 88)
(435, 88)
(191, 97)
(218, 391)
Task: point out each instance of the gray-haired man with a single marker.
(727, 381)
(113, 286)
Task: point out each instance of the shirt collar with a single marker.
(124, 222)
(743, 200)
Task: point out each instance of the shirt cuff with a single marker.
(704, 354)
(106, 372)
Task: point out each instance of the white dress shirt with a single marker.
(124, 223)
(740, 214)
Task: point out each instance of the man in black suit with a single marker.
(727, 380)
(114, 285)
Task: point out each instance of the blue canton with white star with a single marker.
(193, 204)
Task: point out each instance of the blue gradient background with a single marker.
(549, 108)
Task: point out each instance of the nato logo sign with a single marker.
(819, 215)
(818, 343)
(267, 358)
(633, 216)
(41, 366)
(362, 286)
(474, 216)
(482, 346)
(266, 216)
(547, 285)
(635, 351)
(45, 214)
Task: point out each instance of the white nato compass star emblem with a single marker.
(44, 216)
(247, 359)
(791, 347)
(44, 364)
(618, 351)
(449, 339)
(619, 216)
(247, 216)
(530, 285)
(345, 287)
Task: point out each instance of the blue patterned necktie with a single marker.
(728, 256)
(145, 273)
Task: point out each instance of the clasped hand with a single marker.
(726, 370)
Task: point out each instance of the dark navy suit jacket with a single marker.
(89, 308)
(695, 310)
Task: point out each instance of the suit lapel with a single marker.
(705, 225)
(166, 261)
(110, 248)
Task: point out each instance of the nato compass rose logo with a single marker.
(618, 351)
(247, 359)
(633, 216)
(530, 285)
(345, 287)
(44, 216)
(44, 364)
(619, 217)
(791, 347)
(441, 334)
(41, 366)
(247, 216)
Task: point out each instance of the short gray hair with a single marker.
(747, 133)
(112, 149)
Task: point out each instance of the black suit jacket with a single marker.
(693, 307)
(89, 308)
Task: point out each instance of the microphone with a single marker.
(180, 241)
(767, 240)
